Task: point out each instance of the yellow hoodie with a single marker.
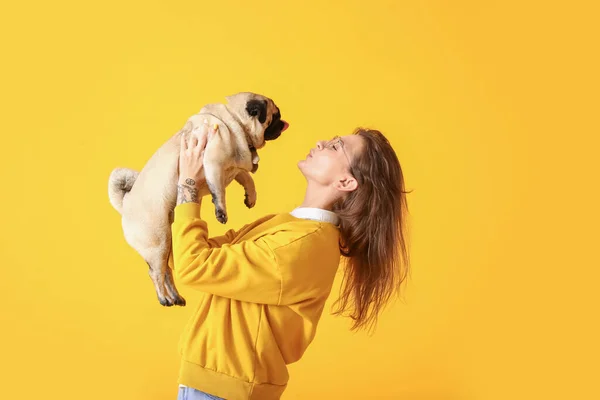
(264, 288)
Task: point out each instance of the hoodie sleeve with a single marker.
(246, 270)
(288, 266)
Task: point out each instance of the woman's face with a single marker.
(328, 164)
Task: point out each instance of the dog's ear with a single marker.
(257, 108)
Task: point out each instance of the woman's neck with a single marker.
(319, 197)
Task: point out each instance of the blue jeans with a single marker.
(188, 393)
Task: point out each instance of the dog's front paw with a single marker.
(221, 215)
(249, 201)
(178, 301)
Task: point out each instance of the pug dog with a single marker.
(146, 199)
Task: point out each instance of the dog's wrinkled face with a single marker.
(260, 116)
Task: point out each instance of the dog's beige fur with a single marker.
(146, 199)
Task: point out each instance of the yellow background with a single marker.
(492, 107)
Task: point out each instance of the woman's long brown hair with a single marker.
(373, 232)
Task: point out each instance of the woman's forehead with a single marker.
(352, 144)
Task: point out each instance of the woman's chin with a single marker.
(301, 164)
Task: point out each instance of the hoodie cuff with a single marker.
(187, 211)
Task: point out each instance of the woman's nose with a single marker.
(320, 145)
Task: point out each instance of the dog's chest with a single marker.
(230, 174)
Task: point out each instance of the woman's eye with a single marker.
(334, 147)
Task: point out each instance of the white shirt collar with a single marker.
(316, 214)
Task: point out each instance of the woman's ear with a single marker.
(346, 184)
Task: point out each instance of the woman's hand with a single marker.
(191, 158)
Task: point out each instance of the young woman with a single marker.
(264, 286)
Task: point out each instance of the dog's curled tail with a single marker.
(120, 182)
